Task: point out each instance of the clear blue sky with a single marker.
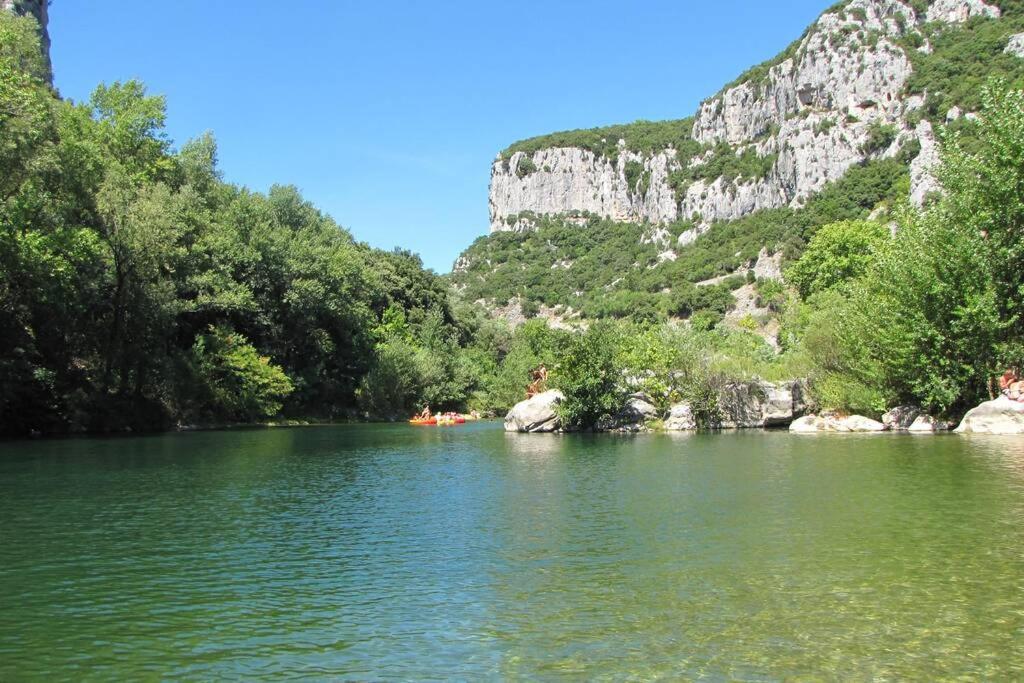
(387, 114)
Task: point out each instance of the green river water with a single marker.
(391, 552)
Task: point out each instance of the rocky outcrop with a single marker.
(634, 416)
(833, 423)
(569, 179)
(537, 414)
(1016, 46)
(901, 417)
(922, 179)
(926, 424)
(681, 418)
(749, 405)
(959, 11)
(1001, 416)
(39, 9)
(812, 112)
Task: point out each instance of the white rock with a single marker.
(1016, 45)
(768, 266)
(813, 111)
(537, 414)
(922, 178)
(806, 424)
(859, 423)
(926, 423)
(680, 418)
(959, 11)
(569, 179)
(1001, 416)
(853, 423)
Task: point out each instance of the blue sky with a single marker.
(387, 115)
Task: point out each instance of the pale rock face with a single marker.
(768, 266)
(813, 110)
(1001, 416)
(747, 405)
(959, 11)
(922, 180)
(535, 415)
(568, 179)
(680, 418)
(1016, 45)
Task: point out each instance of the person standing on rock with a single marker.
(539, 375)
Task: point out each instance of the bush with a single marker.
(588, 375)
(838, 252)
(525, 167)
(239, 383)
(880, 136)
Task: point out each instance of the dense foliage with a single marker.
(933, 313)
(137, 289)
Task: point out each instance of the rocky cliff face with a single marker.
(40, 10)
(832, 100)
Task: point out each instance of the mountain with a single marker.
(842, 123)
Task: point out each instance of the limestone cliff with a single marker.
(39, 9)
(832, 100)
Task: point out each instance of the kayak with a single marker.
(421, 422)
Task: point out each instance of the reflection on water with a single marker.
(396, 552)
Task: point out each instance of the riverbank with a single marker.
(761, 405)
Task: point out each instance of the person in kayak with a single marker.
(425, 413)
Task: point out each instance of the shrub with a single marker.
(880, 137)
(838, 252)
(239, 383)
(590, 378)
(525, 167)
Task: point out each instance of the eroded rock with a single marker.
(749, 405)
(901, 417)
(925, 424)
(681, 418)
(1001, 416)
(1016, 46)
(537, 414)
(834, 423)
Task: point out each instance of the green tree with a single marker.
(838, 252)
(590, 378)
(239, 383)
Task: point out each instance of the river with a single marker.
(393, 552)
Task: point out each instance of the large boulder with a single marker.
(680, 418)
(834, 423)
(536, 414)
(1001, 416)
(926, 424)
(901, 417)
(638, 410)
(748, 405)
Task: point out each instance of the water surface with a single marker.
(392, 552)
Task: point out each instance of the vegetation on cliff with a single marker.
(924, 311)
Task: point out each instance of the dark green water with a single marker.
(380, 552)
